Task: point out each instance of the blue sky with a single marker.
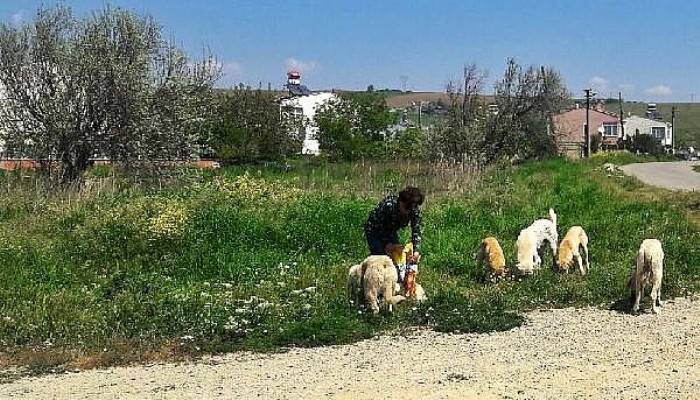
(648, 49)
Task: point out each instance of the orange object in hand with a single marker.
(410, 283)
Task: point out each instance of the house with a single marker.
(301, 103)
(662, 131)
(570, 130)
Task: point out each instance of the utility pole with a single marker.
(622, 115)
(587, 133)
(673, 129)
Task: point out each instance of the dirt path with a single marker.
(670, 175)
(557, 354)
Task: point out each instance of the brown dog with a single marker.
(490, 256)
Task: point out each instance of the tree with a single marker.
(105, 85)
(248, 126)
(518, 126)
(354, 125)
(461, 135)
(465, 100)
(527, 100)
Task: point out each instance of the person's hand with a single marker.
(414, 258)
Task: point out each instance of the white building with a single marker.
(302, 103)
(663, 131)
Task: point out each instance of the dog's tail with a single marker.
(553, 216)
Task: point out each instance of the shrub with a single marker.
(354, 126)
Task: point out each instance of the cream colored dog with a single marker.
(355, 291)
(375, 279)
(491, 258)
(575, 242)
(649, 268)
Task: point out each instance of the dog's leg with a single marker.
(585, 253)
(371, 298)
(390, 298)
(656, 294)
(579, 261)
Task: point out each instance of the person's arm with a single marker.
(416, 230)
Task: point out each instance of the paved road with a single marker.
(677, 175)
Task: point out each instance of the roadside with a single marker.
(678, 175)
(556, 354)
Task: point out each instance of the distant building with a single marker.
(661, 130)
(301, 102)
(570, 130)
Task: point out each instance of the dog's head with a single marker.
(565, 256)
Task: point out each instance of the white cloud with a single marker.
(17, 18)
(659, 90)
(599, 83)
(300, 65)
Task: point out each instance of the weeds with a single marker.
(256, 258)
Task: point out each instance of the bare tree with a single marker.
(106, 85)
(461, 135)
(527, 100)
(465, 97)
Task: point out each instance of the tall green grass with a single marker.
(256, 258)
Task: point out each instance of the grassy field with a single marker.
(256, 257)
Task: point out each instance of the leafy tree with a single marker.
(104, 85)
(354, 126)
(249, 127)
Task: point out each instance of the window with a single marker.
(658, 132)
(610, 128)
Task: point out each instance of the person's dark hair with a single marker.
(411, 196)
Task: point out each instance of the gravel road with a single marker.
(678, 175)
(558, 354)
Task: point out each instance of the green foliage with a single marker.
(646, 144)
(354, 126)
(409, 144)
(248, 260)
(248, 126)
(107, 83)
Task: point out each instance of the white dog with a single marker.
(532, 238)
(649, 268)
(376, 279)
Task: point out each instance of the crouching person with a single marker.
(392, 214)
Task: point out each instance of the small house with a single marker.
(570, 130)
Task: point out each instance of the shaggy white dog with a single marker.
(649, 268)
(375, 280)
(575, 242)
(532, 238)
